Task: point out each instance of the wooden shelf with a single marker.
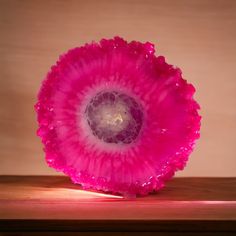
(52, 204)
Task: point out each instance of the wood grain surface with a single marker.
(49, 203)
(196, 35)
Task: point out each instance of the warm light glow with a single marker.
(199, 202)
(70, 194)
(218, 202)
(79, 193)
(87, 194)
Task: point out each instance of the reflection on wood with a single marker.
(54, 203)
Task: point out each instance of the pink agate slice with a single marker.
(115, 117)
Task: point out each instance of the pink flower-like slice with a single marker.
(115, 117)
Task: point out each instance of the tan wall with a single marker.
(198, 36)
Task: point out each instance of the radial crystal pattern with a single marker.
(115, 117)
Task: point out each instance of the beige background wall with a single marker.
(198, 36)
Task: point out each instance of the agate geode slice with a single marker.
(115, 117)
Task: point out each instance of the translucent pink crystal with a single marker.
(115, 117)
